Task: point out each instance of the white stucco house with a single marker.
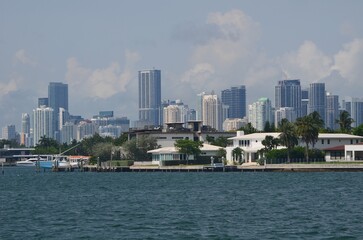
(163, 154)
(352, 152)
(252, 143)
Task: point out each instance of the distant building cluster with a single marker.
(224, 112)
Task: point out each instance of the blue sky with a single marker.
(97, 47)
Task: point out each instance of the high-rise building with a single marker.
(332, 111)
(317, 98)
(288, 94)
(356, 111)
(284, 112)
(86, 129)
(235, 98)
(199, 110)
(212, 114)
(8, 132)
(176, 112)
(233, 124)
(304, 102)
(43, 102)
(25, 130)
(150, 97)
(57, 98)
(260, 112)
(42, 123)
(68, 133)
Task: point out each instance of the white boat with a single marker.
(28, 162)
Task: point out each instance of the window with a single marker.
(328, 141)
(177, 138)
(322, 141)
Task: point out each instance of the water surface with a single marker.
(158, 205)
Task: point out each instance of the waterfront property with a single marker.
(352, 152)
(171, 154)
(252, 143)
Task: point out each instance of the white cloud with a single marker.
(307, 63)
(221, 59)
(21, 57)
(349, 61)
(103, 82)
(199, 75)
(6, 88)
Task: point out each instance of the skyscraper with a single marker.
(57, 98)
(212, 112)
(235, 98)
(288, 94)
(8, 132)
(356, 111)
(259, 113)
(332, 111)
(25, 130)
(150, 97)
(42, 123)
(317, 97)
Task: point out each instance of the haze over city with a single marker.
(98, 47)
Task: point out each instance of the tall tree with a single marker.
(308, 129)
(270, 143)
(345, 122)
(358, 130)
(189, 147)
(288, 136)
(136, 148)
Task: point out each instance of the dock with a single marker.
(349, 167)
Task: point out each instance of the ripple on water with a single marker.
(180, 205)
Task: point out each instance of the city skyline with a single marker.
(215, 46)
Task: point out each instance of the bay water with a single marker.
(198, 205)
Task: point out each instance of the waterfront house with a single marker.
(353, 152)
(252, 143)
(171, 155)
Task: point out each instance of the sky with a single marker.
(97, 47)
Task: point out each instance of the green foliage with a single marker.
(288, 136)
(270, 143)
(237, 154)
(189, 147)
(248, 129)
(221, 153)
(47, 146)
(308, 129)
(11, 143)
(269, 127)
(121, 139)
(297, 154)
(102, 151)
(358, 130)
(136, 148)
(345, 122)
(220, 141)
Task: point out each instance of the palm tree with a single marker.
(308, 129)
(345, 122)
(270, 143)
(237, 154)
(317, 125)
(288, 136)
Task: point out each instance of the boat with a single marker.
(30, 162)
